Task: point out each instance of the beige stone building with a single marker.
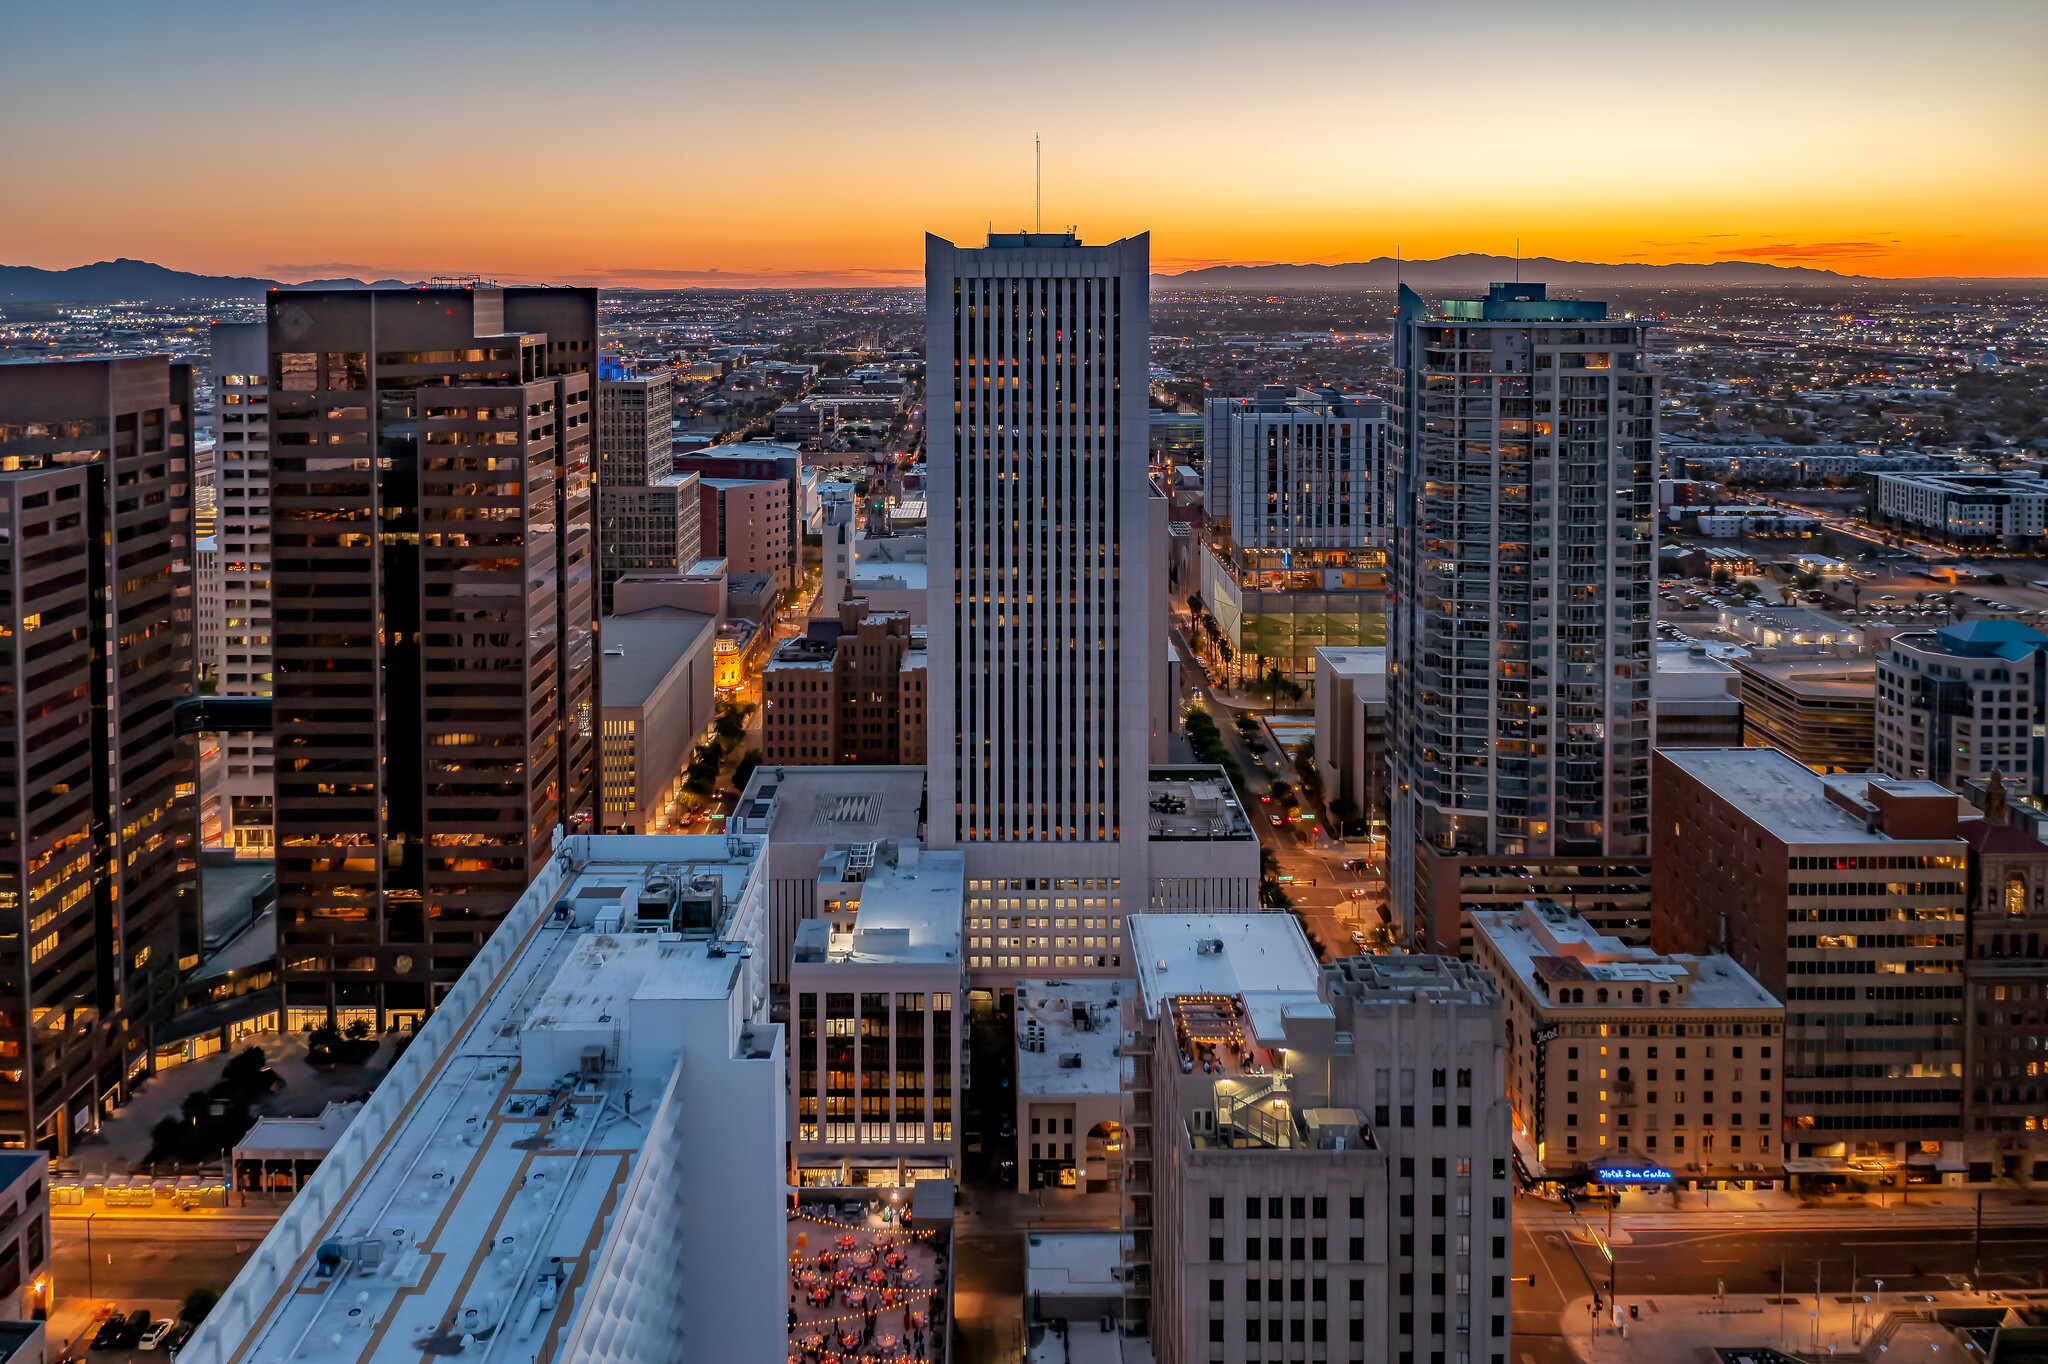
(1618, 1053)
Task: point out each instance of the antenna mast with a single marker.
(1037, 184)
(1518, 260)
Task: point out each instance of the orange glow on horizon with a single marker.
(803, 143)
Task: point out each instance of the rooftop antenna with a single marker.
(1518, 260)
(1037, 185)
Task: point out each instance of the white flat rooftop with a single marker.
(1362, 661)
(1218, 954)
(470, 1177)
(1051, 1005)
(1067, 1264)
(908, 913)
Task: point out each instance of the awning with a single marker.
(1526, 1149)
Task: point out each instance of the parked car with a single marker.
(175, 1341)
(109, 1333)
(132, 1328)
(153, 1334)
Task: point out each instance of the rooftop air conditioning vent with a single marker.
(1070, 1060)
(1209, 947)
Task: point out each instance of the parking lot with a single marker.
(138, 1263)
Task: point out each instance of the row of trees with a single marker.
(707, 759)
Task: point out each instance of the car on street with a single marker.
(109, 1333)
(180, 1333)
(132, 1327)
(153, 1335)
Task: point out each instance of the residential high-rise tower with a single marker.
(237, 786)
(1520, 628)
(436, 596)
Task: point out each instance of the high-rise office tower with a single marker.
(436, 595)
(1043, 671)
(648, 514)
(97, 863)
(1295, 484)
(234, 585)
(1520, 633)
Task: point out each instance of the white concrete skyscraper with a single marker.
(1522, 609)
(1037, 443)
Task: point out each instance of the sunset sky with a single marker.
(678, 143)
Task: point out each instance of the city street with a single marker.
(1315, 879)
(147, 1262)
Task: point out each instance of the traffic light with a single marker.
(1633, 1314)
(1599, 1303)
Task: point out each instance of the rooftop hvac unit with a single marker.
(593, 1060)
(1070, 1060)
(700, 904)
(1209, 947)
(656, 908)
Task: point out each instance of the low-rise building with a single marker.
(1967, 509)
(278, 1155)
(847, 691)
(1707, 560)
(812, 818)
(1074, 1278)
(26, 1289)
(747, 523)
(2005, 970)
(1598, 1034)
(1776, 627)
(1819, 709)
(658, 679)
(1959, 703)
(1069, 1096)
(1699, 699)
(1845, 898)
(875, 993)
(1351, 734)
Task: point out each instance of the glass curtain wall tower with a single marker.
(1520, 632)
(436, 597)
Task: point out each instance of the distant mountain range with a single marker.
(109, 280)
(1476, 271)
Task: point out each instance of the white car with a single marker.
(155, 1334)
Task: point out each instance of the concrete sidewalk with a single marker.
(1673, 1328)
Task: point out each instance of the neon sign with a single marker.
(1619, 1175)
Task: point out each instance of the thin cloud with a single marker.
(1205, 262)
(714, 273)
(1807, 251)
(328, 269)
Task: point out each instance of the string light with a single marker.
(856, 1226)
(922, 1294)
